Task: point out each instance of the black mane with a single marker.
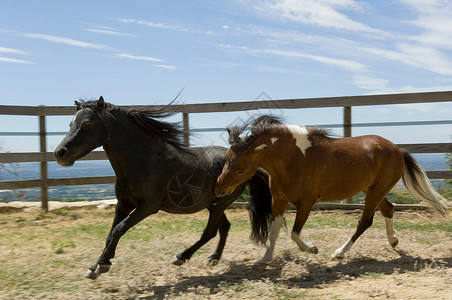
(144, 118)
(261, 125)
(319, 133)
(258, 126)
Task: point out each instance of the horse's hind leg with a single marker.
(303, 211)
(387, 210)
(223, 229)
(209, 233)
(364, 223)
(373, 199)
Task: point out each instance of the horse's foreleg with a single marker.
(303, 211)
(223, 229)
(272, 236)
(103, 264)
(122, 210)
(278, 209)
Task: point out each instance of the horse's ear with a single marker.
(260, 148)
(101, 102)
(234, 137)
(78, 104)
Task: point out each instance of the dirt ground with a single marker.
(45, 256)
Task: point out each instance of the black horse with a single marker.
(155, 171)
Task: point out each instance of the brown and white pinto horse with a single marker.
(306, 166)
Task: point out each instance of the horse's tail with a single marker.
(418, 184)
(260, 207)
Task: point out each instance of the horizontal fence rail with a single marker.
(346, 103)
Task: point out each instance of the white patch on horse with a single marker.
(274, 139)
(339, 253)
(390, 232)
(75, 117)
(300, 135)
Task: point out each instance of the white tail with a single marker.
(418, 184)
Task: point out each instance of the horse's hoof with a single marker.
(395, 243)
(90, 274)
(178, 262)
(313, 250)
(102, 269)
(337, 256)
(262, 262)
(212, 261)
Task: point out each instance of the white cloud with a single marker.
(13, 60)
(370, 83)
(345, 64)
(414, 89)
(65, 41)
(323, 13)
(12, 51)
(435, 19)
(152, 24)
(418, 56)
(169, 67)
(145, 58)
(109, 32)
(236, 47)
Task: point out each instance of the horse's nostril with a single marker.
(60, 152)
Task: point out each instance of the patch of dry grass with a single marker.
(45, 256)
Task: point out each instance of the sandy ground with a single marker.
(419, 268)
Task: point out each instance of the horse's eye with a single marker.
(240, 172)
(86, 125)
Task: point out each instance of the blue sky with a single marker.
(145, 52)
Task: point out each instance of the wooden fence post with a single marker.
(43, 149)
(347, 121)
(348, 133)
(186, 129)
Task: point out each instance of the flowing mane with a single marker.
(259, 126)
(144, 118)
(262, 125)
(318, 133)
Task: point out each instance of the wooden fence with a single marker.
(186, 109)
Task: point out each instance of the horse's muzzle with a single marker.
(61, 157)
(221, 192)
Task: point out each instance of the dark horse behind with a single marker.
(155, 171)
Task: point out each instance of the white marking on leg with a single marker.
(274, 232)
(274, 139)
(308, 247)
(390, 232)
(340, 253)
(300, 135)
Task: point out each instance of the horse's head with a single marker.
(87, 132)
(240, 165)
